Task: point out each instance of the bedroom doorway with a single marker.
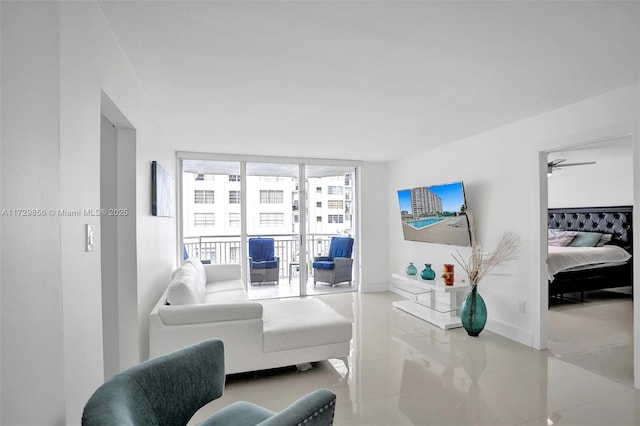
(597, 332)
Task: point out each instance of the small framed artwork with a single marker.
(163, 193)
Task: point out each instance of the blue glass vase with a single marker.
(411, 270)
(473, 312)
(428, 273)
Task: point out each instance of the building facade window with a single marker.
(204, 219)
(271, 219)
(335, 218)
(202, 177)
(335, 190)
(335, 204)
(318, 203)
(203, 196)
(234, 219)
(271, 196)
(234, 178)
(234, 197)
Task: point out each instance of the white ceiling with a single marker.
(366, 80)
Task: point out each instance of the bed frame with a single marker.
(616, 221)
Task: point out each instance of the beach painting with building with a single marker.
(435, 214)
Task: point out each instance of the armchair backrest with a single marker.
(340, 247)
(261, 249)
(166, 390)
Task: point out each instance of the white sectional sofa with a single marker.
(205, 301)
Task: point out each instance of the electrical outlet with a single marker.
(521, 306)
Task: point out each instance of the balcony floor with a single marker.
(292, 289)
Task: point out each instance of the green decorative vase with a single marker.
(473, 312)
(411, 270)
(428, 273)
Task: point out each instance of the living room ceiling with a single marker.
(366, 80)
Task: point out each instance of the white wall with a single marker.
(501, 176)
(57, 57)
(609, 182)
(33, 373)
(373, 240)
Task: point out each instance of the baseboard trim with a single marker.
(510, 332)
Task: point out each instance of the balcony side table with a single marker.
(291, 265)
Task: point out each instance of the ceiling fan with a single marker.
(560, 163)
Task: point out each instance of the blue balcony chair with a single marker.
(264, 266)
(168, 390)
(337, 267)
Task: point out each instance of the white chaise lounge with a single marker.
(205, 301)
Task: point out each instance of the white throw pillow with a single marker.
(184, 288)
(199, 267)
(560, 239)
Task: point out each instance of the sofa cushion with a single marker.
(229, 296)
(209, 313)
(340, 247)
(324, 264)
(218, 286)
(265, 264)
(261, 249)
(184, 288)
(300, 323)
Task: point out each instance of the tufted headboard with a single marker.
(607, 220)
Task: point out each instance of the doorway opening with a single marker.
(593, 329)
(118, 244)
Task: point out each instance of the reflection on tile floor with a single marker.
(403, 371)
(596, 335)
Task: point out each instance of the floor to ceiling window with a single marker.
(226, 203)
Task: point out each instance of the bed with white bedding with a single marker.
(582, 258)
(589, 249)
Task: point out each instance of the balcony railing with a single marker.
(226, 248)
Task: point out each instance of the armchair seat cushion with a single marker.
(327, 265)
(265, 264)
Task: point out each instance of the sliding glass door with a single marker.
(330, 213)
(227, 202)
(211, 210)
(273, 211)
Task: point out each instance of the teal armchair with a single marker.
(169, 389)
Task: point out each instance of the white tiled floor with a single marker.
(403, 371)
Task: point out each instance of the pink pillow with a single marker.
(560, 239)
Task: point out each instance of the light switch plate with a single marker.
(89, 237)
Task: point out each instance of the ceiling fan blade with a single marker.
(560, 163)
(581, 163)
(554, 163)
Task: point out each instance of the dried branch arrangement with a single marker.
(481, 262)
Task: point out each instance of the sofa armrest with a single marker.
(209, 312)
